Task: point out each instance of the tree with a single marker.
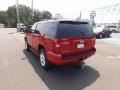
(9, 17)
(24, 13)
(3, 17)
(46, 15)
(37, 16)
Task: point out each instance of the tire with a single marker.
(80, 64)
(108, 36)
(45, 64)
(26, 46)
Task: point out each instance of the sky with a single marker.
(67, 8)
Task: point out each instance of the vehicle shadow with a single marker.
(12, 32)
(67, 77)
(16, 32)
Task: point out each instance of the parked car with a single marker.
(28, 28)
(60, 42)
(21, 27)
(113, 28)
(102, 32)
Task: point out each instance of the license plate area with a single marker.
(79, 46)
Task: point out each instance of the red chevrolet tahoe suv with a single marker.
(60, 41)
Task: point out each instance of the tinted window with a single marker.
(33, 27)
(48, 28)
(73, 29)
(38, 27)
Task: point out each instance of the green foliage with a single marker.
(9, 17)
(3, 17)
(46, 15)
(37, 16)
(25, 14)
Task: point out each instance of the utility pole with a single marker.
(32, 8)
(18, 18)
(32, 5)
(92, 18)
(80, 15)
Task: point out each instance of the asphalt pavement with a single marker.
(20, 69)
(114, 39)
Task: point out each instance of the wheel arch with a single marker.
(40, 47)
(25, 38)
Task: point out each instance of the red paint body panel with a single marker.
(56, 58)
(59, 60)
(64, 50)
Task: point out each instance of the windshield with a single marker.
(73, 29)
(112, 26)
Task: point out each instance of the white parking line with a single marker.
(113, 57)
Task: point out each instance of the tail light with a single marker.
(56, 46)
(94, 40)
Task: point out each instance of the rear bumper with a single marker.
(58, 59)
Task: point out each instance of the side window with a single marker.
(33, 27)
(39, 27)
(49, 28)
(43, 27)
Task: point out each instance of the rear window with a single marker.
(73, 29)
(65, 29)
